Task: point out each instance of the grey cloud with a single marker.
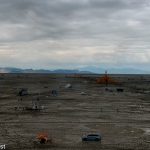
(61, 19)
(89, 29)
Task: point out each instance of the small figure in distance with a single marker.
(54, 93)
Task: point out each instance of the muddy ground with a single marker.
(122, 118)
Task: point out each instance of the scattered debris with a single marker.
(54, 92)
(23, 92)
(68, 86)
(83, 93)
(45, 87)
(42, 137)
(92, 137)
(108, 89)
(120, 89)
(35, 104)
(146, 92)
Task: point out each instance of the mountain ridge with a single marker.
(59, 71)
(85, 70)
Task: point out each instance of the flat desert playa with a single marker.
(121, 117)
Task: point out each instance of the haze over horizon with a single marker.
(77, 34)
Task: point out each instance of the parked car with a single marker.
(92, 137)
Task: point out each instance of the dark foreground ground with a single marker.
(122, 118)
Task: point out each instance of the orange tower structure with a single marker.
(105, 80)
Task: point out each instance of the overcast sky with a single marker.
(72, 34)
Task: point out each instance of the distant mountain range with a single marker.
(85, 70)
(59, 71)
(116, 70)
